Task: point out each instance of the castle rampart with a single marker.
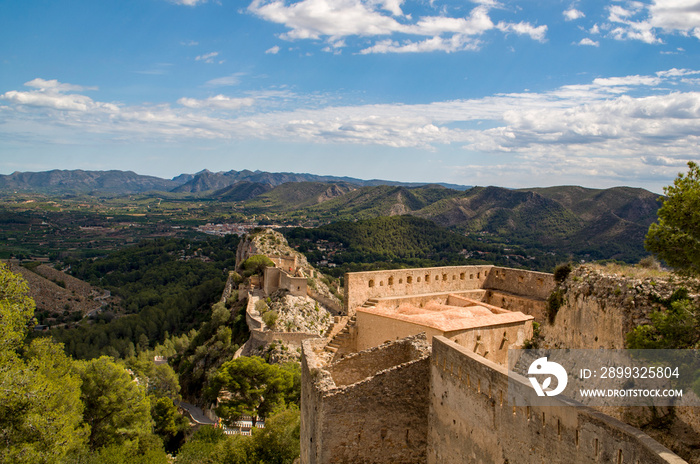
(275, 278)
(472, 420)
(362, 286)
(368, 408)
(512, 289)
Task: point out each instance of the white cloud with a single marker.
(627, 81)
(50, 100)
(273, 50)
(677, 72)
(453, 44)
(54, 85)
(208, 57)
(676, 15)
(573, 14)
(187, 2)
(52, 94)
(536, 33)
(589, 42)
(634, 20)
(225, 81)
(612, 125)
(333, 20)
(220, 102)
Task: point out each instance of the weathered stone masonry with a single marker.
(471, 420)
(396, 404)
(367, 408)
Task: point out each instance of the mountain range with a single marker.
(128, 182)
(602, 223)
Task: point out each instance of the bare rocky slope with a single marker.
(61, 295)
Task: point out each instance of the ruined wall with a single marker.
(533, 284)
(287, 263)
(600, 309)
(261, 335)
(260, 338)
(330, 304)
(295, 285)
(276, 278)
(271, 279)
(361, 286)
(471, 420)
(530, 306)
(358, 367)
(380, 419)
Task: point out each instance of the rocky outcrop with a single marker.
(602, 304)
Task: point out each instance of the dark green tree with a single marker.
(675, 237)
(40, 408)
(170, 425)
(278, 442)
(116, 407)
(256, 264)
(16, 311)
(249, 386)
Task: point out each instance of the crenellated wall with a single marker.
(471, 420)
(517, 289)
(362, 286)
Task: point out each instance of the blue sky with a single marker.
(511, 93)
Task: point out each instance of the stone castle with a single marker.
(415, 372)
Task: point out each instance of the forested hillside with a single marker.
(166, 287)
(405, 241)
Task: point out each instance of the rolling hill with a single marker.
(599, 224)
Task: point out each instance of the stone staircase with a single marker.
(338, 339)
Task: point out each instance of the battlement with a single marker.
(507, 285)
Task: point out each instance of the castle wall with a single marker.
(471, 420)
(271, 279)
(373, 330)
(537, 285)
(276, 278)
(295, 285)
(421, 300)
(491, 341)
(361, 286)
(381, 419)
(530, 306)
(522, 290)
